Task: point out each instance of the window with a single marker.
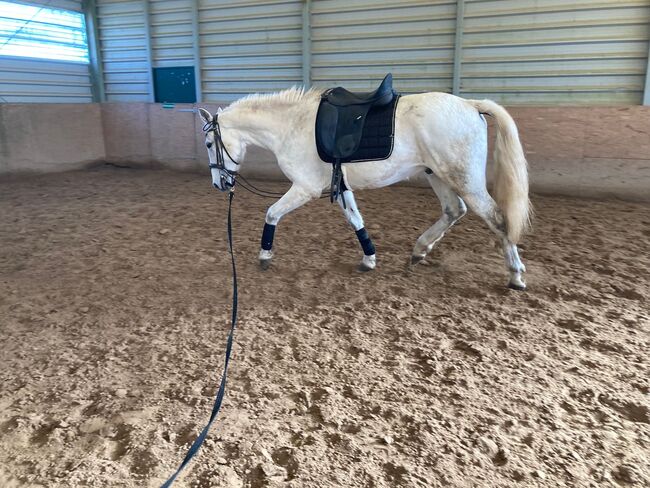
(39, 32)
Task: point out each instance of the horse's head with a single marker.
(224, 149)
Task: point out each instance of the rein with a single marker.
(196, 445)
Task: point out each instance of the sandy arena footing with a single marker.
(114, 302)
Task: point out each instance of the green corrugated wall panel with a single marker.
(514, 51)
(356, 42)
(122, 41)
(249, 46)
(26, 80)
(171, 33)
(555, 52)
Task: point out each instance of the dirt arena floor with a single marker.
(115, 297)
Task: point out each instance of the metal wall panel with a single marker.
(356, 42)
(555, 52)
(124, 49)
(171, 33)
(249, 46)
(513, 51)
(27, 80)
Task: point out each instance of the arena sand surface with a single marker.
(115, 297)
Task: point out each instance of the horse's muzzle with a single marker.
(225, 184)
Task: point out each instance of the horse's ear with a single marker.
(219, 110)
(205, 116)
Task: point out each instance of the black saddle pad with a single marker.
(377, 136)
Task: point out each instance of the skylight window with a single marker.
(39, 32)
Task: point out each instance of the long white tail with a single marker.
(511, 170)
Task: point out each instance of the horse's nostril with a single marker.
(209, 145)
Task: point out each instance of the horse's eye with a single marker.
(208, 144)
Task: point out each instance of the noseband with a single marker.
(214, 127)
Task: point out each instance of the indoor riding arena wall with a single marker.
(49, 137)
(576, 151)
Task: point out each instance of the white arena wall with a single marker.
(577, 151)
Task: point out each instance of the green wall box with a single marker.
(174, 85)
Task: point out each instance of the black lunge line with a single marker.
(196, 445)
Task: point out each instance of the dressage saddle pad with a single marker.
(354, 127)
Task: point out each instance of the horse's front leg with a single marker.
(295, 197)
(353, 216)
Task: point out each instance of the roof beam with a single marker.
(94, 53)
(147, 40)
(306, 43)
(646, 87)
(458, 47)
(196, 47)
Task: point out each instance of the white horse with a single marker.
(436, 134)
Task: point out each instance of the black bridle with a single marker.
(213, 126)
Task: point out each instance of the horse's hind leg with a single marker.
(485, 207)
(295, 197)
(354, 218)
(453, 209)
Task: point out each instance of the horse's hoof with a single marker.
(368, 263)
(265, 264)
(364, 268)
(416, 259)
(516, 286)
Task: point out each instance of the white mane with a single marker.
(286, 97)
